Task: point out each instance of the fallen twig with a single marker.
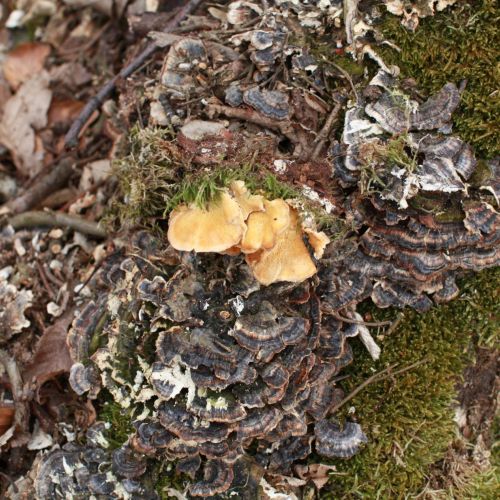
(394, 325)
(375, 378)
(347, 76)
(52, 181)
(71, 138)
(323, 134)
(53, 219)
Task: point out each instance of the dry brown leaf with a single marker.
(107, 7)
(4, 93)
(51, 357)
(7, 412)
(25, 61)
(64, 111)
(317, 473)
(72, 74)
(25, 112)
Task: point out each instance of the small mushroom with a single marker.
(395, 113)
(318, 241)
(216, 228)
(290, 451)
(189, 466)
(271, 103)
(266, 333)
(128, 463)
(217, 407)
(258, 423)
(84, 379)
(184, 425)
(102, 484)
(55, 472)
(248, 202)
(149, 437)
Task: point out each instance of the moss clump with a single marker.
(409, 419)
(154, 180)
(119, 420)
(146, 176)
(460, 43)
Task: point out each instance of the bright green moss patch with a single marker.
(409, 419)
(459, 43)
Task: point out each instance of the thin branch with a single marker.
(57, 219)
(394, 324)
(347, 76)
(249, 115)
(71, 138)
(319, 142)
(375, 378)
(52, 181)
(21, 415)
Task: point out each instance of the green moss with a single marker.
(484, 486)
(460, 43)
(146, 175)
(153, 182)
(168, 479)
(119, 420)
(378, 159)
(409, 419)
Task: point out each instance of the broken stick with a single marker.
(57, 219)
(44, 186)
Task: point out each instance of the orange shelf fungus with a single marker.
(248, 202)
(263, 228)
(215, 229)
(268, 232)
(287, 260)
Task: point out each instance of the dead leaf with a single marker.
(25, 112)
(317, 473)
(25, 61)
(7, 412)
(94, 173)
(107, 7)
(13, 305)
(51, 357)
(64, 111)
(4, 93)
(72, 74)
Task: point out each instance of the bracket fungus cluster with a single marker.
(230, 379)
(269, 233)
(421, 212)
